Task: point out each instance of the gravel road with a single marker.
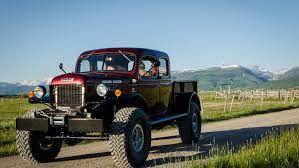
(167, 146)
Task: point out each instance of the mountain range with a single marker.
(22, 87)
(237, 76)
(240, 77)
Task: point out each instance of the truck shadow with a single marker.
(84, 156)
(233, 139)
(164, 154)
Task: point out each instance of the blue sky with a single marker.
(36, 35)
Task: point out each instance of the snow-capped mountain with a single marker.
(22, 87)
(45, 81)
(255, 69)
(260, 71)
(239, 76)
(278, 73)
(225, 66)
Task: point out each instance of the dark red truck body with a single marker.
(77, 105)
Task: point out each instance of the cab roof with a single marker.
(136, 51)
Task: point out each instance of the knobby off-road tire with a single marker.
(33, 147)
(190, 126)
(126, 146)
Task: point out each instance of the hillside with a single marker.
(212, 78)
(239, 77)
(289, 79)
(13, 89)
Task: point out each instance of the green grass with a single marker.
(218, 114)
(213, 111)
(7, 141)
(272, 151)
(9, 110)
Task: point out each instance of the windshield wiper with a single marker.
(124, 55)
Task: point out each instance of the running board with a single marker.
(168, 118)
(82, 138)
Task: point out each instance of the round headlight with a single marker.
(102, 90)
(39, 91)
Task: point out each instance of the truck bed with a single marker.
(184, 86)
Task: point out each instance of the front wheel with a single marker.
(130, 137)
(190, 126)
(34, 147)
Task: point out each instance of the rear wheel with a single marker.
(34, 147)
(130, 138)
(190, 126)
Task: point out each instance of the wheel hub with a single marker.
(44, 143)
(137, 138)
(194, 123)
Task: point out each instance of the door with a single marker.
(148, 85)
(165, 85)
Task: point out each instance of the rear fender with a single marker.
(183, 101)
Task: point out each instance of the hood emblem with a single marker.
(112, 81)
(67, 79)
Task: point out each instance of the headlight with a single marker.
(102, 90)
(39, 91)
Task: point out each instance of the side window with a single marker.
(146, 68)
(84, 66)
(99, 65)
(163, 70)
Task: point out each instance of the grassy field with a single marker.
(213, 110)
(9, 110)
(275, 150)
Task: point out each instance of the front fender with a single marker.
(134, 99)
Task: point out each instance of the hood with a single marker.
(88, 78)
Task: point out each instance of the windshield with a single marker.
(107, 62)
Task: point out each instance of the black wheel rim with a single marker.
(137, 138)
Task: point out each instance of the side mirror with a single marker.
(61, 67)
(157, 63)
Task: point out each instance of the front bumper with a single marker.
(67, 124)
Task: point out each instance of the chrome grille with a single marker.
(69, 95)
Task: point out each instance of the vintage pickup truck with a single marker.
(115, 94)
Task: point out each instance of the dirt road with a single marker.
(167, 146)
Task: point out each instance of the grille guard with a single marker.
(70, 124)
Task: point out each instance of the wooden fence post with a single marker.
(262, 99)
(250, 102)
(242, 102)
(225, 103)
(279, 95)
(200, 97)
(293, 96)
(231, 104)
(285, 98)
